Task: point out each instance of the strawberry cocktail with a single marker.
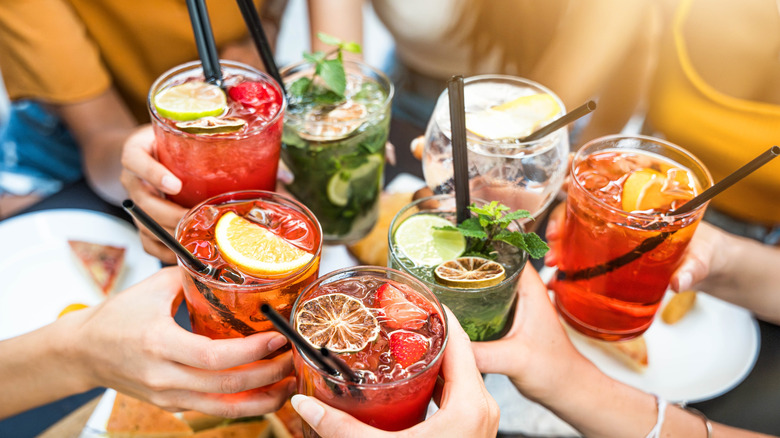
(217, 139)
(262, 247)
(388, 328)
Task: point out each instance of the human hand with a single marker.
(704, 257)
(465, 406)
(132, 343)
(554, 234)
(145, 179)
(536, 354)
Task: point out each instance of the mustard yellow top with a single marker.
(723, 131)
(65, 51)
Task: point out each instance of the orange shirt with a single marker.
(65, 51)
(723, 131)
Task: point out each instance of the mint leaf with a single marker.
(513, 238)
(537, 248)
(329, 39)
(299, 87)
(513, 216)
(352, 47)
(315, 58)
(332, 73)
(472, 228)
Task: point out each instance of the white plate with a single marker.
(38, 274)
(706, 354)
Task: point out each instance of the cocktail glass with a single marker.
(622, 240)
(482, 312)
(224, 307)
(499, 110)
(210, 164)
(336, 151)
(393, 397)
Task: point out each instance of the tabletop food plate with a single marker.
(707, 353)
(40, 276)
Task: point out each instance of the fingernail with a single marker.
(170, 184)
(684, 281)
(276, 342)
(309, 410)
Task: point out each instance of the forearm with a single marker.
(340, 18)
(745, 273)
(36, 368)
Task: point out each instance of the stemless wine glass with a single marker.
(500, 111)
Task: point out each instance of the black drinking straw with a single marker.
(340, 365)
(651, 243)
(284, 327)
(460, 158)
(562, 121)
(204, 40)
(255, 26)
(165, 237)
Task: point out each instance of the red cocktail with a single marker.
(388, 328)
(237, 149)
(264, 247)
(622, 240)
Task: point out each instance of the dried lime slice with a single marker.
(212, 125)
(338, 322)
(333, 122)
(190, 101)
(469, 273)
(419, 239)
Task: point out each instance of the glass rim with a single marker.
(529, 145)
(644, 139)
(192, 66)
(342, 273)
(272, 282)
(392, 252)
(383, 79)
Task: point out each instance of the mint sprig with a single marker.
(491, 224)
(330, 70)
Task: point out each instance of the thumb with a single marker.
(691, 271)
(330, 422)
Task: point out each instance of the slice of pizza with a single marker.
(103, 263)
(131, 417)
(632, 352)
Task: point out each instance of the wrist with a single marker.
(68, 346)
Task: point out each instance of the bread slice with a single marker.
(241, 429)
(372, 249)
(103, 263)
(632, 353)
(131, 417)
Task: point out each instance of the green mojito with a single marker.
(334, 142)
(473, 268)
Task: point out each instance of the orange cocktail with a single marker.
(264, 247)
(622, 240)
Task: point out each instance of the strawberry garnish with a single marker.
(408, 348)
(400, 312)
(258, 96)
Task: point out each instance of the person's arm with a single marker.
(340, 18)
(131, 343)
(465, 407)
(542, 363)
(736, 269)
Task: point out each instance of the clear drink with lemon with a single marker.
(473, 272)
(500, 112)
(217, 139)
(622, 240)
(388, 328)
(263, 248)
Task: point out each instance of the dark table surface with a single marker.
(754, 404)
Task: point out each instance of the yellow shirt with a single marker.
(723, 131)
(65, 51)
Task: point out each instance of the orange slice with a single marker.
(338, 322)
(469, 273)
(642, 191)
(256, 250)
(72, 308)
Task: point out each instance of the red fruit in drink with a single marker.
(399, 311)
(407, 347)
(259, 96)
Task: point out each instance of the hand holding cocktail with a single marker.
(465, 406)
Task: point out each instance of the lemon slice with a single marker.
(419, 240)
(72, 308)
(469, 273)
(514, 119)
(256, 250)
(337, 321)
(190, 101)
(341, 183)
